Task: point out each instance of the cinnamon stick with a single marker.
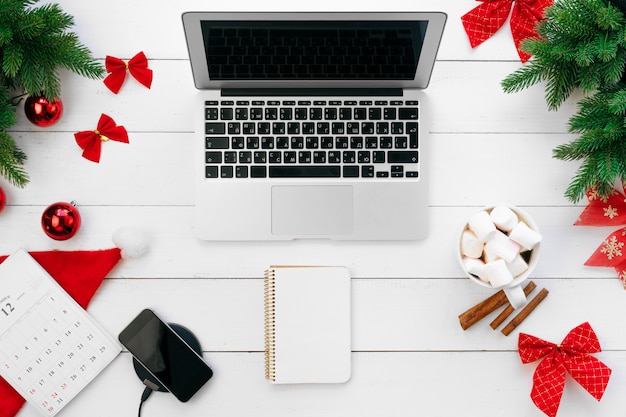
(530, 287)
(482, 309)
(521, 316)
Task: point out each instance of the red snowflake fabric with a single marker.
(607, 211)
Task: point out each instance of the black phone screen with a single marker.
(162, 352)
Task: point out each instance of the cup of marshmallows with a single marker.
(499, 248)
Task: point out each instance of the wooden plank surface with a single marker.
(410, 355)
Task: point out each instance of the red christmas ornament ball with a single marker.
(60, 221)
(41, 111)
(3, 199)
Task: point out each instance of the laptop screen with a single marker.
(312, 50)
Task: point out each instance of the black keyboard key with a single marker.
(367, 171)
(275, 157)
(351, 171)
(389, 113)
(402, 157)
(226, 171)
(282, 142)
(241, 113)
(289, 157)
(401, 142)
(364, 157)
(211, 113)
(311, 142)
(226, 113)
(267, 142)
(408, 113)
(379, 157)
(241, 172)
(234, 128)
(211, 171)
(319, 157)
(217, 142)
(310, 171)
(397, 171)
(237, 142)
(371, 142)
(304, 157)
(412, 174)
(375, 113)
(258, 172)
(245, 157)
(260, 157)
(215, 128)
(356, 142)
(213, 157)
(230, 157)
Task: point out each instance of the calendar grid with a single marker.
(50, 348)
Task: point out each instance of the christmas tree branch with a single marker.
(34, 43)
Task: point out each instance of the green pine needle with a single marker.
(35, 42)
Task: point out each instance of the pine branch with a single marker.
(11, 161)
(581, 44)
(35, 42)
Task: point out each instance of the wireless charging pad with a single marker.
(187, 336)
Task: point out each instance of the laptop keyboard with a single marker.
(311, 139)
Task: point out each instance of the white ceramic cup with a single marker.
(514, 290)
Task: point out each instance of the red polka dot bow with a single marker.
(91, 140)
(571, 356)
(137, 66)
(485, 20)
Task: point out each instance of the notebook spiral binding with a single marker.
(270, 353)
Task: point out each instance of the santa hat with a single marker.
(80, 273)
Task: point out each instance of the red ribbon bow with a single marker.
(137, 66)
(91, 140)
(485, 20)
(572, 356)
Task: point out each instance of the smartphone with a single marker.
(164, 354)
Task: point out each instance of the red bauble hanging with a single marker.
(60, 221)
(3, 199)
(41, 111)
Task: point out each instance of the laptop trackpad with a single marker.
(312, 210)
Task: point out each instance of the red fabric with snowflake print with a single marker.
(604, 211)
(612, 253)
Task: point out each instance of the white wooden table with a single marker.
(410, 355)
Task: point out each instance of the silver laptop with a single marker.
(312, 125)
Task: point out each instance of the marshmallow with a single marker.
(500, 245)
(475, 267)
(498, 273)
(504, 218)
(518, 266)
(470, 245)
(525, 236)
(481, 224)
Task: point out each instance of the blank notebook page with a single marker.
(312, 325)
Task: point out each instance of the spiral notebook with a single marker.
(307, 324)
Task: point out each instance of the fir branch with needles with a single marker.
(581, 44)
(35, 42)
